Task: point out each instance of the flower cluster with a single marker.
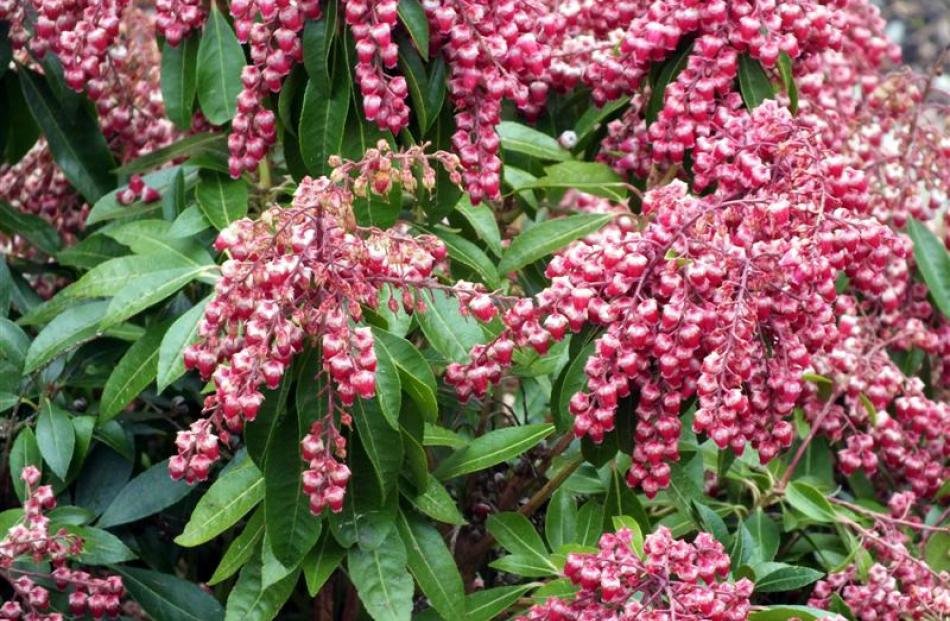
(175, 19)
(671, 579)
(727, 296)
(302, 275)
(273, 29)
(31, 538)
(898, 585)
(384, 97)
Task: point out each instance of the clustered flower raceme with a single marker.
(176, 19)
(273, 29)
(30, 538)
(671, 579)
(384, 96)
(107, 51)
(897, 586)
(727, 297)
(300, 275)
(495, 50)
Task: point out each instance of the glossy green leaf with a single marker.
(221, 199)
(413, 17)
(810, 502)
(100, 547)
(388, 385)
(220, 62)
(31, 228)
(433, 566)
(548, 237)
(468, 254)
(168, 598)
(291, 529)
(482, 220)
(529, 141)
(241, 548)
(109, 208)
(933, 261)
(24, 452)
(74, 325)
(55, 437)
(754, 83)
(382, 443)
(592, 177)
(236, 492)
(785, 613)
(103, 476)
(488, 603)
(517, 535)
(145, 495)
(322, 123)
(382, 580)
(590, 521)
(669, 70)
(523, 565)
(493, 448)
(14, 343)
(436, 502)
(74, 138)
(182, 333)
(134, 372)
(147, 290)
(937, 551)
(448, 331)
(765, 533)
(415, 374)
(788, 80)
(318, 36)
(776, 577)
(321, 562)
(195, 145)
(180, 80)
(252, 599)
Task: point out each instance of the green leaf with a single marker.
(145, 495)
(784, 613)
(220, 62)
(547, 237)
(523, 565)
(810, 502)
(388, 385)
(77, 145)
(169, 598)
(447, 330)
(493, 448)
(591, 177)
(55, 437)
(241, 549)
(14, 343)
(322, 123)
(433, 566)
(31, 228)
(560, 519)
(109, 208)
(318, 38)
(754, 83)
(382, 443)
(669, 70)
(179, 336)
(189, 223)
(529, 141)
(180, 80)
(236, 492)
(147, 290)
(776, 577)
(100, 547)
(937, 552)
(221, 199)
(413, 16)
(417, 80)
(382, 580)
(74, 325)
(291, 528)
(252, 599)
(788, 80)
(489, 603)
(517, 535)
(22, 131)
(482, 220)
(933, 261)
(766, 535)
(321, 562)
(465, 252)
(24, 452)
(435, 435)
(103, 475)
(436, 502)
(414, 372)
(134, 372)
(205, 143)
(90, 252)
(621, 500)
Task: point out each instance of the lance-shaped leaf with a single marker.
(220, 62)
